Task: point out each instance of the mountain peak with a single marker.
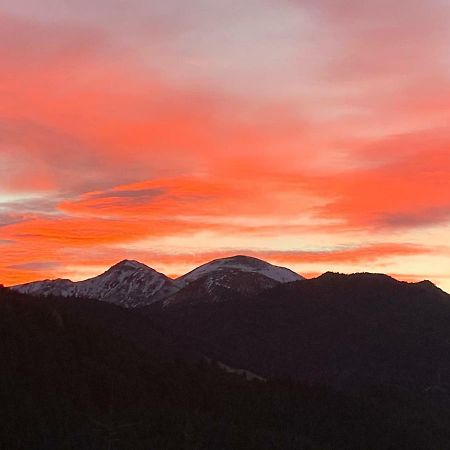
(372, 277)
(240, 263)
(241, 259)
(368, 276)
(129, 264)
(427, 284)
(128, 283)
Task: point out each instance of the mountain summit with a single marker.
(240, 263)
(127, 283)
(227, 279)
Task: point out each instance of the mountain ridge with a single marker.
(131, 284)
(84, 375)
(340, 330)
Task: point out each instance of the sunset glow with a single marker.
(311, 134)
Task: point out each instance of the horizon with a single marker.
(310, 134)
(175, 277)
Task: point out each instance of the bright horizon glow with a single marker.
(312, 134)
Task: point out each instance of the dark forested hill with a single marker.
(87, 375)
(342, 330)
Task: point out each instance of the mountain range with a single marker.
(132, 284)
(238, 353)
(340, 330)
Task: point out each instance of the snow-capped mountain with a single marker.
(128, 284)
(240, 263)
(229, 278)
(132, 284)
(221, 286)
(59, 287)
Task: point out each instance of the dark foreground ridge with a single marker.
(346, 331)
(80, 374)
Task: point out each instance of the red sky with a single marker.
(313, 134)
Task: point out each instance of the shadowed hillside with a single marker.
(75, 377)
(342, 330)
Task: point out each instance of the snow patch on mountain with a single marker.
(243, 264)
(129, 284)
(132, 284)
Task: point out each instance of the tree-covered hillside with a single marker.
(87, 375)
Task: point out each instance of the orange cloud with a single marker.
(365, 253)
(410, 188)
(112, 133)
(91, 231)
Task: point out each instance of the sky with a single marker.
(314, 134)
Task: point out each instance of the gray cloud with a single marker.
(420, 218)
(10, 218)
(141, 195)
(35, 266)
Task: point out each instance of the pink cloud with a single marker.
(110, 123)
